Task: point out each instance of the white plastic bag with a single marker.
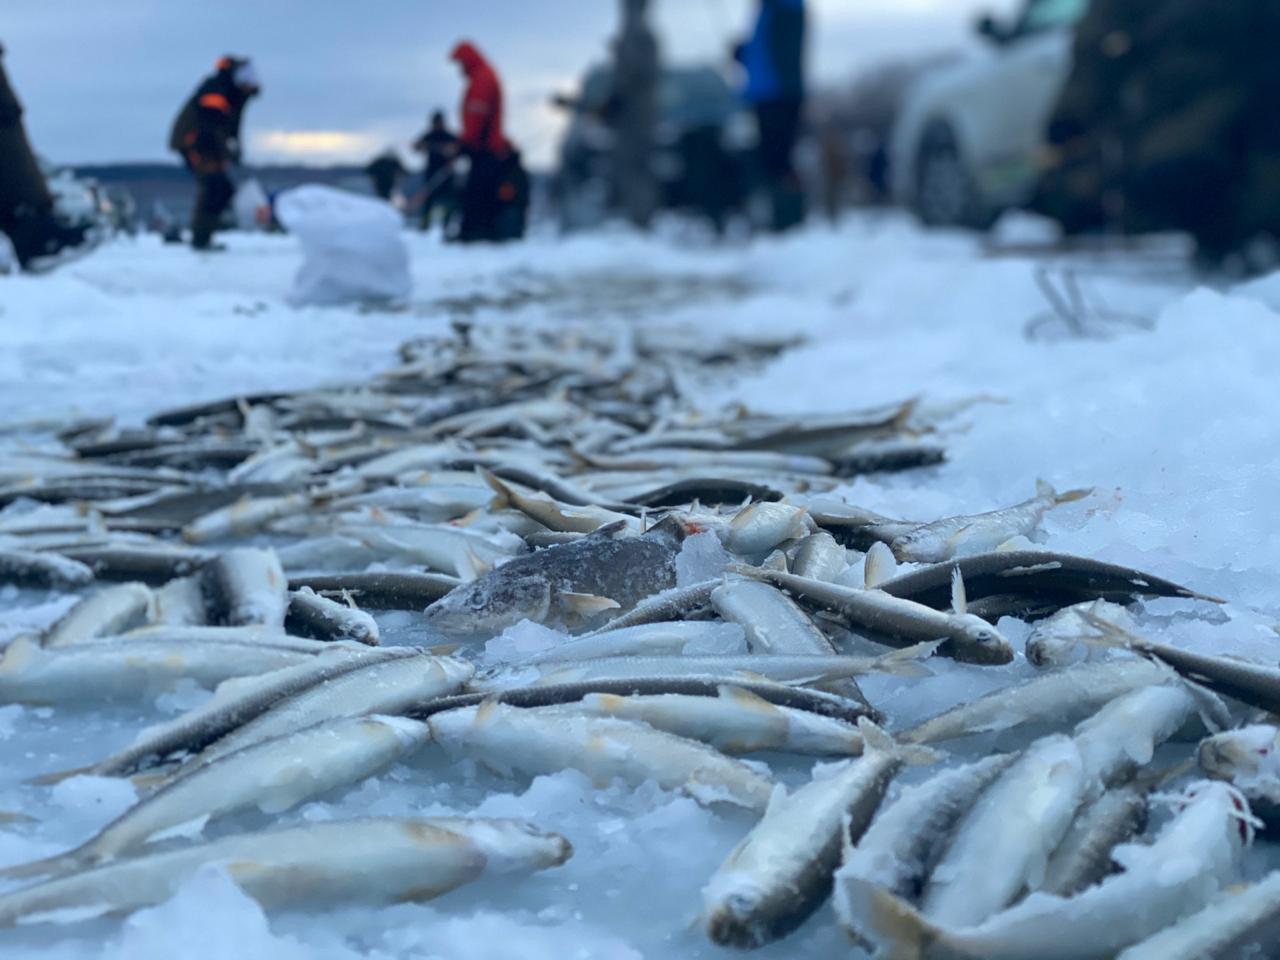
(248, 200)
(351, 246)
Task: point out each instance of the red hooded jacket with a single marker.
(481, 102)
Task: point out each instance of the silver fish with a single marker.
(235, 702)
(783, 669)
(943, 539)
(245, 585)
(906, 839)
(389, 686)
(781, 872)
(898, 622)
(1196, 854)
(1083, 858)
(130, 669)
(272, 776)
(531, 742)
(1063, 638)
(735, 722)
(376, 860)
(1237, 926)
(25, 568)
(1071, 693)
(647, 639)
(1004, 842)
(108, 611)
(312, 615)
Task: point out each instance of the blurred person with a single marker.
(26, 205)
(207, 135)
(385, 170)
(633, 110)
(440, 147)
(513, 197)
(482, 142)
(773, 59)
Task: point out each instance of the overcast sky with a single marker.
(102, 79)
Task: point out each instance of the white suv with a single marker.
(965, 144)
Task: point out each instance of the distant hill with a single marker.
(171, 186)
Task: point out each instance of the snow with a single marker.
(1172, 425)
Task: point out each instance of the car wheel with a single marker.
(945, 193)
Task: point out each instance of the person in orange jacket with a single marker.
(206, 134)
(483, 143)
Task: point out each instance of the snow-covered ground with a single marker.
(1170, 419)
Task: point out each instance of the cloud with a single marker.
(312, 146)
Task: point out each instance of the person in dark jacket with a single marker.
(26, 206)
(207, 135)
(385, 171)
(773, 59)
(482, 142)
(440, 147)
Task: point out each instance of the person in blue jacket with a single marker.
(773, 59)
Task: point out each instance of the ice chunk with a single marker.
(521, 640)
(701, 558)
(723, 640)
(209, 918)
(94, 801)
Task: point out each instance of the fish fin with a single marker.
(586, 604)
(744, 698)
(503, 494)
(441, 649)
(45, 779)
(486, 711)
(879, 566)
(888, 921)
(775, 561)
(13, 816)
(467, 565)
(611, 529)
(605, 702)
(875, 738)
(906, 662)
(1045, 489)
(1011, 545)
(1071, 496)
(959, 599)
(145, 781)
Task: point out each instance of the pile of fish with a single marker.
(701, 594)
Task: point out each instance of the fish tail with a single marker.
(893, 925)
(46, 779)
(874, 738)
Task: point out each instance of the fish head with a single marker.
(490, 604)
(980, 641)
(1242, 755)
(733, 920)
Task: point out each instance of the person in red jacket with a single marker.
(483, 143)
